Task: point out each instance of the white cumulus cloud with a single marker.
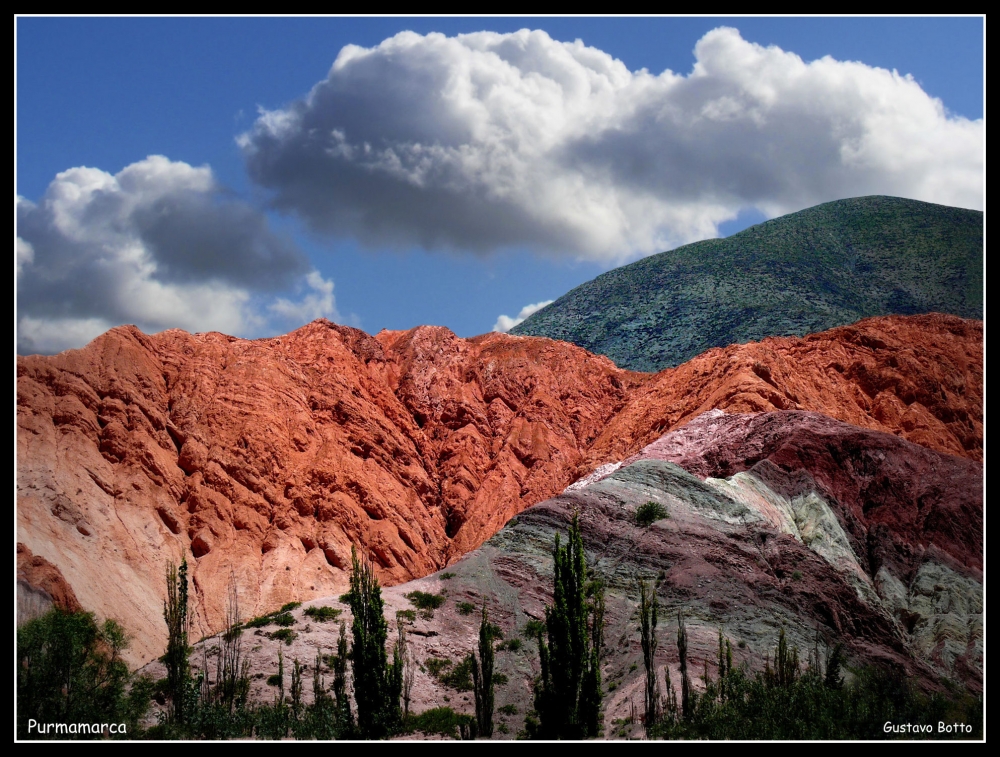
(505, 323)
(159, 244)
(487, 140)
(318, 303)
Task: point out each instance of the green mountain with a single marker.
(822, 267)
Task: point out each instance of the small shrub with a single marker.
(280, 617)
(796, 575)
(426, 603)
(345, 598)
(459, 677)
(532, 628)
(407, 615)
(259, 622)
(512, 522)
(649, 513)
(512, 645)
(632, 668)
(446, 576)
(507, 709)
(466, 608)
(273, 680)
(286, 635)
(613, 685)
(502, 728)
(443, 721)
(437, 665)
(499, 679)
(323, 614)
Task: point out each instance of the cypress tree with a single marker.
(648, 609)
(320, 722)
(344, 715)
(176, 659)
(377, 683)
(482, 676)
(833, 678)
(685, 679)
(568, 692)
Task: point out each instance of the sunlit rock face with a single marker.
(784, 521)
(264, 461)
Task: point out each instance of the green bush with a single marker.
(508, 709)
(280, 617)
(286, 635)
(649, 513)
(465, 608)
(323, 614)
(511, 645)
(424, 601)
(459, 677)
(283, 619)
(442, 721)
(406, 615)
(437, 665)
(290, 606)
(533, 628)
(69, 670)
(446, 576)
(259, 622)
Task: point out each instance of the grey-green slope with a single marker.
(822, 267)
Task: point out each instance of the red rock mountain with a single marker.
(266, 460)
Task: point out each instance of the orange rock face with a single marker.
(919, 377)
(40, 585)
(264, 461)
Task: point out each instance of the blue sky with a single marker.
(445, 179)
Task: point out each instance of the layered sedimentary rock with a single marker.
(919, 377)
(263, 462)
(783, 521)
(899, 524)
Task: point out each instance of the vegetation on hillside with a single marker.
(823, 267)
(69, 670)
